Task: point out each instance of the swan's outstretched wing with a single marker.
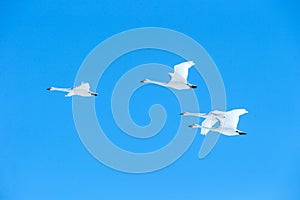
(218, 113)
(209, 123)
(83, 86)
(181, 71)
(232, 118)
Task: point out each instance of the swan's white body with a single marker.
(178, 78)
(228, 121)
(81, 90)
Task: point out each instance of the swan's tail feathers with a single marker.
(50, 88)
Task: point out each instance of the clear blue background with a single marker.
(255, 45)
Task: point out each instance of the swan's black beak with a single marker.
(49, 88)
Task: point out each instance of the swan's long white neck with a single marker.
(195, 114)
(61, 89)
(157, 83)
(211, 128)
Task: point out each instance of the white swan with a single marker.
(211, 118)
(81, 90)
(228, 121)
(178, 78)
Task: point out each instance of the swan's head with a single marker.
(145, 81)
(194, 126)
(50, 88)
(184, 113)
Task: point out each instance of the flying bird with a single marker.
(178, 79)
(81, 90)
(228, 121)
(211, 118)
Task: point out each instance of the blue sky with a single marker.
(254, 44)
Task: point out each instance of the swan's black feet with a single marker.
(192, 86)
(241, 133)
(93, 94)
